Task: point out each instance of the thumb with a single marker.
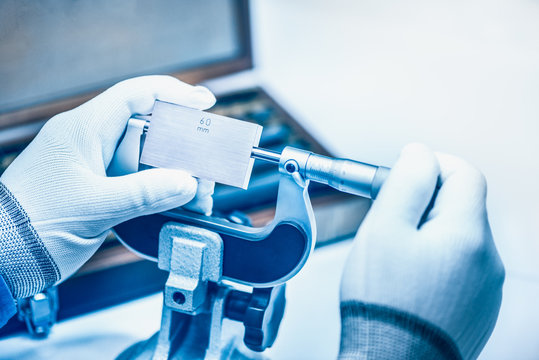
(410, 186)
(148, 192)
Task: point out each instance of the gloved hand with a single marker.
(59, 181)
(440, 265)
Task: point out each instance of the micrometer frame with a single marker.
(293, 215)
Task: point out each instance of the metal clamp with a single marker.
(192, 256)
(196, 301)
(39, 312)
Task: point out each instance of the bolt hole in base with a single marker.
(178, 297)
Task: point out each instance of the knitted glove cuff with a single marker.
(371, 331)
(25, 264)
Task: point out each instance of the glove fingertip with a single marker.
(169, 185)
(201, 205)
(201, 98)
(410, 184)
(183, 184)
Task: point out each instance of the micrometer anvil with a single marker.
(255, 256)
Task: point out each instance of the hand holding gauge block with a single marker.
(208, 146)
(222, 149)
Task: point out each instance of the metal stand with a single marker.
(196, 302)
(39, 312)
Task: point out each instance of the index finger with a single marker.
(463, 190)
(409, 187)
(107, 114)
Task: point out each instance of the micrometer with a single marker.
(255, 256)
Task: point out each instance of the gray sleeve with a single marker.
(371, 331)
(25, 263)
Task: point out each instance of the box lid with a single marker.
(57, 55)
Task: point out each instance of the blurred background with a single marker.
(459, 76)
(363, 78)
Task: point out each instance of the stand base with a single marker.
(189, 344)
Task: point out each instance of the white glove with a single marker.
(61, 184)
(443, 268)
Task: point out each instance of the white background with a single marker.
(369, 77)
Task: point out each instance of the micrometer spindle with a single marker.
(345, 175)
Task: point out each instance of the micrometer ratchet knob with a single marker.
(345, 175)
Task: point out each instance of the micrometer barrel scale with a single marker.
(345, 175)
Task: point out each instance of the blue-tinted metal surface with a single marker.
(264, 261)
(256, 256)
